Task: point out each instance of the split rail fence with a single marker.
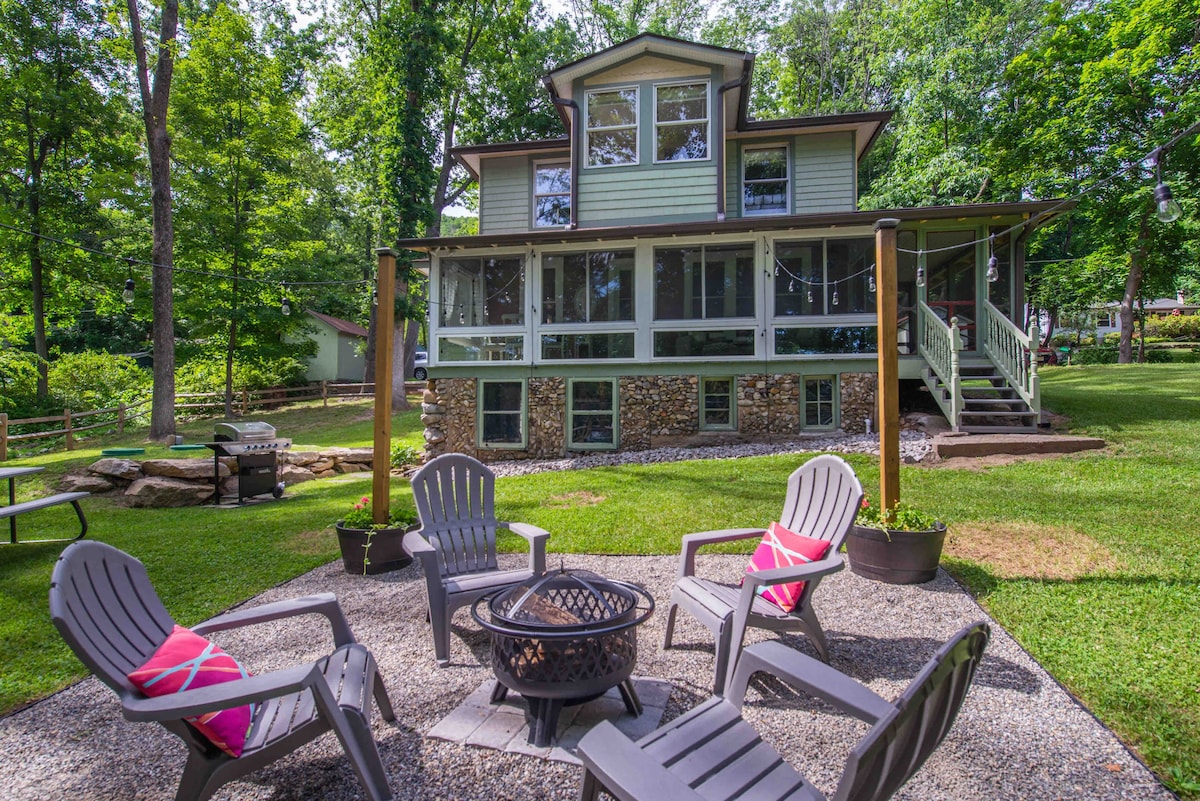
(187, 405)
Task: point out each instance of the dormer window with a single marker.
(681, 122)
(765, 180)
(552, 194)
(612, 127)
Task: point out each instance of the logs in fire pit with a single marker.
(562, 639)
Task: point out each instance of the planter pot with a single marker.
(897, 557)
(384, 553)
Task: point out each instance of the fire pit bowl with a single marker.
(561, 639)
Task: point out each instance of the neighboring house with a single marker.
(672, 269)
(340, 347)
(1107, 321)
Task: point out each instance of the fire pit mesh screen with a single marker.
(581, 660)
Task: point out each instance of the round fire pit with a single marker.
(564, 638)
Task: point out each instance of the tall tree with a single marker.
(155, 99)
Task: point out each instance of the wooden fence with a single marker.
(192, 404)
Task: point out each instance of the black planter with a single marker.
(895, 557)
(384, 554)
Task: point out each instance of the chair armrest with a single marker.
(324, 603)
(626, 772)
(416, 544)
(808, 675)
(220, 696)
(693, 542)
(783, 575)
(536, 537)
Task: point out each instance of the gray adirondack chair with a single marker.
(103, 604)
(711, 753)
(456, 543)
(823, 497)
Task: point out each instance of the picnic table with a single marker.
(13, 508)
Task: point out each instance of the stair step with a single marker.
(1006, 402)
(998, 429)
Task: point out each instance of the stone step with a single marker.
(953, 444)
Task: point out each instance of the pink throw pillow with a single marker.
(187, 661)
(783, 548)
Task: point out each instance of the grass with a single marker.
(1117, 626)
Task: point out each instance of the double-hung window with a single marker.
(612, 127)
(551, 194)
(717, 404)
(681, 122)
(765, 180)
(819, 402)
(592, 414)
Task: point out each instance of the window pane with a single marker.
(552, 178)
(729, 281)
(799, 262)
(501, 407)
(591, 395)
(838, 339)
(818, 402)
(552, 210)
(481, 349)
(668, 344)
(502, 396)
(587, 346)
(611, 276)
(503, 292)
(593, 413)
(564, 288)
(677, 289)
(717, 409)
(612, 147)
(765, 197)
(482, 292)
(765, 164)
(606, 109)
(682, 142)
(847, 258)
(678, 103)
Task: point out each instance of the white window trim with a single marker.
(707, 121)
(616, 416)
(479, 415)
(787, 161)
(535, 194)
(637, 128)
(732, 424)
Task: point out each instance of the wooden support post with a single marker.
(385, 315)
(888, 388)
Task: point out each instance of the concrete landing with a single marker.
(950, 445)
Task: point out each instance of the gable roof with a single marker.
(341, 326)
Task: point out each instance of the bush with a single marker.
(93, 380)
(1110, 355)
(403, 455)
(208, 374)
(1183, 326)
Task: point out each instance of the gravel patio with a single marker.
(1019, 736)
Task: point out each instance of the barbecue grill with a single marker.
(564, 639)
(255, 446)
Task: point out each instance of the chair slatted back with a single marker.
(899, 744)
(822, 500)
(455, 498)
(103, 605)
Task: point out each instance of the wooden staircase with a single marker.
(990, 405)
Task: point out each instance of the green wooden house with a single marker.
(674, 272)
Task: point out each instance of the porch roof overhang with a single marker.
(1030, 213)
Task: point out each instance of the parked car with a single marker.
(421, 364)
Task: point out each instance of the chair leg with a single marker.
(365, 757)
(197, 782)
(723, 646)
(382, 701)
(589, 788)
(816, 635)
(672, 609)
(441, 636)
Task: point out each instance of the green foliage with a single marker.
(208, 375)
(1109, 355)
(361, 516)
(1182, 326)
(901, 517)
(91, 380)
(403, 455)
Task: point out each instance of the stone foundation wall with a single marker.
(654, 411)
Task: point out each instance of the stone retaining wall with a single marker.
(188, 482)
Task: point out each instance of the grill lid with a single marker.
(245, 431)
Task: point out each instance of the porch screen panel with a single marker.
(950, 278)
(840, 339)
(704, 283)
(478, 291)
(687, 344)
(850, 265)
(587, 287)
(799, 278)
(1000, 290)
(906, 292)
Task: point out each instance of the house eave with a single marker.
(1034, 213)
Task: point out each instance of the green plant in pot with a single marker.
(370, 548)
(901, 545)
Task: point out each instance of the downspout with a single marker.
(574, 133)
(719, 145)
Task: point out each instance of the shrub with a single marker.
(93, 380)
(207, 374)
(403, 455)
(1183, 326)
(1109, 356)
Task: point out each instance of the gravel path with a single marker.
(1019, 736)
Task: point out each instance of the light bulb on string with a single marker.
(1166, 207)
(835, 296)
(127, 293)
(870, 283)
(462, 318)
(993, 264)
(286, 307)
(792, 285)
(921, 268)
(810, 295)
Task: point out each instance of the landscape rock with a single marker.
(359, 455)
(352, 467)
(162, 491)
(119, 468)
(76, 482)
(294, 474)
(299, 457)
(184, 468)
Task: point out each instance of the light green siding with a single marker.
(505, 195)
(733, 180)
(823, 173)
(648, 194)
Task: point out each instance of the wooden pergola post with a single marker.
(888, 388)
(385, 288)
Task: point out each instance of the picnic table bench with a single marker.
(13, 508)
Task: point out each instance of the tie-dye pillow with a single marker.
(187, 661)
(783, 548)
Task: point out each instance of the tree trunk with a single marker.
(158, 145)
(37, 277)
(1133, 284)
(230, 347)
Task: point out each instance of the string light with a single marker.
(993, 267)
(1167, 208)
(127, 294)
(286, 306)
(835, 295)
(871, 283)
(792, 285)
(810, 295)
(920, 268)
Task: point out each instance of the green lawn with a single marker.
(1121, 633)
